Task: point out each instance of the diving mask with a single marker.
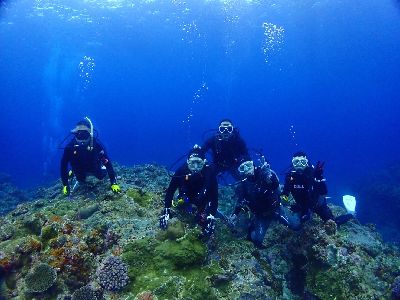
(300, 162)
(246, 168)
(195, 164)
(82, 136)
(225, 130)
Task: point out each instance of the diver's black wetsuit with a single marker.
(309, 194)
(260, 194)
(227, 154)
(84, 162)
(201, 189)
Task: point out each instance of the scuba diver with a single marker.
(198, 192)
(259, 195)
(87, 156)
(308, 188)
(228, 149)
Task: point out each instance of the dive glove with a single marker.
(164, 218)
(285, 198)
(66, 190)
(210, 225)
(115, 188)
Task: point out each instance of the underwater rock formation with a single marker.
(396, 288)
(10, 196)
(117, 251)
(380, 195)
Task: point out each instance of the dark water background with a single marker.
(321, 76)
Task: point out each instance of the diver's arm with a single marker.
(212, 187)
(64, 166)
(105, 160)
(320, 186)
(287, 186)
(207, 144)
(241, 203)
(242, 150)
(274, 180)
(173, 186)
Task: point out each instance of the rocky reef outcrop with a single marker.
(100, 245)
(10, 196)
(379, 194)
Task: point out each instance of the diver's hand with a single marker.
(66, 190)
(164, 218)
(210, 225)
(319, 170)
(285, 198)
(115, 188)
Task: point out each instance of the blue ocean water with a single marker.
(319, 76)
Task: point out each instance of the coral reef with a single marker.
(396, 288)
(139, 196)
(182, 252)
(113, 274)
(40, 279)
(10, 196)
(102, 245)
(380, 194)
(84, 293)
(86, 212)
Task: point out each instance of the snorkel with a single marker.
(90, 147)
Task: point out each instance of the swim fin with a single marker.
(350, 204)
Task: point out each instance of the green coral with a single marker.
(184, 252)
(341, 282)
(3, 289)
(48, 232)
(175, 230)
(171, 268)
(138, 254)
(63, 208)
(33, 225)
(40, 279)
(88, 211)
(140, 197)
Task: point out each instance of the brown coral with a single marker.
(145, 296)
(330, 227)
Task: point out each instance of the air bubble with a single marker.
(273, 39)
